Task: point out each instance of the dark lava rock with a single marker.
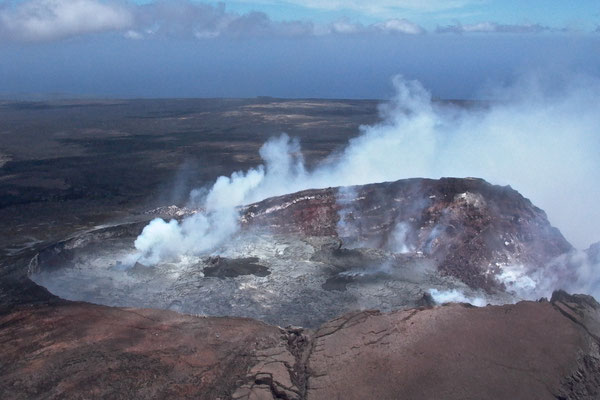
(140, 269)
(345, 259)
(222, 267)
(337, 282)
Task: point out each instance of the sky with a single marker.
(290, 48)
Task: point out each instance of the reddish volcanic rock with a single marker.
(79, 350)
(525, 351)
(468, 226)
(310, 212)
(531, 350)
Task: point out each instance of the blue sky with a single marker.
(581, 14)
(292, 48)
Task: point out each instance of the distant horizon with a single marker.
(7, 97)
(49, 98)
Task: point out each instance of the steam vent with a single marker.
(351, 293)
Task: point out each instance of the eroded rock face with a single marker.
(468, 226)
(530, 350)
(525, 351)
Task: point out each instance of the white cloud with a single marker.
(184, 18)
(346, 26)
(131, 34)
(394, 26)
(493, 27)
(52, 19)
(400, 26)
(39, 20)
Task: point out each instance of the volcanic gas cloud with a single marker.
(541, 140)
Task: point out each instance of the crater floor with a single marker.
(276, 278)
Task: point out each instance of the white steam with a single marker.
(544, 143)
(455, 296)
(196, 234)
(519, 281)
(218, 219)
(575, 272)
(399, 239)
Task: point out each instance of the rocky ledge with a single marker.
(530, 350)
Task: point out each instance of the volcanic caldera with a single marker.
(323, 259)
(308, 257)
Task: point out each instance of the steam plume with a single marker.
(542, 142)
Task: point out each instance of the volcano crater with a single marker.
(308, 257)
(280, 279)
